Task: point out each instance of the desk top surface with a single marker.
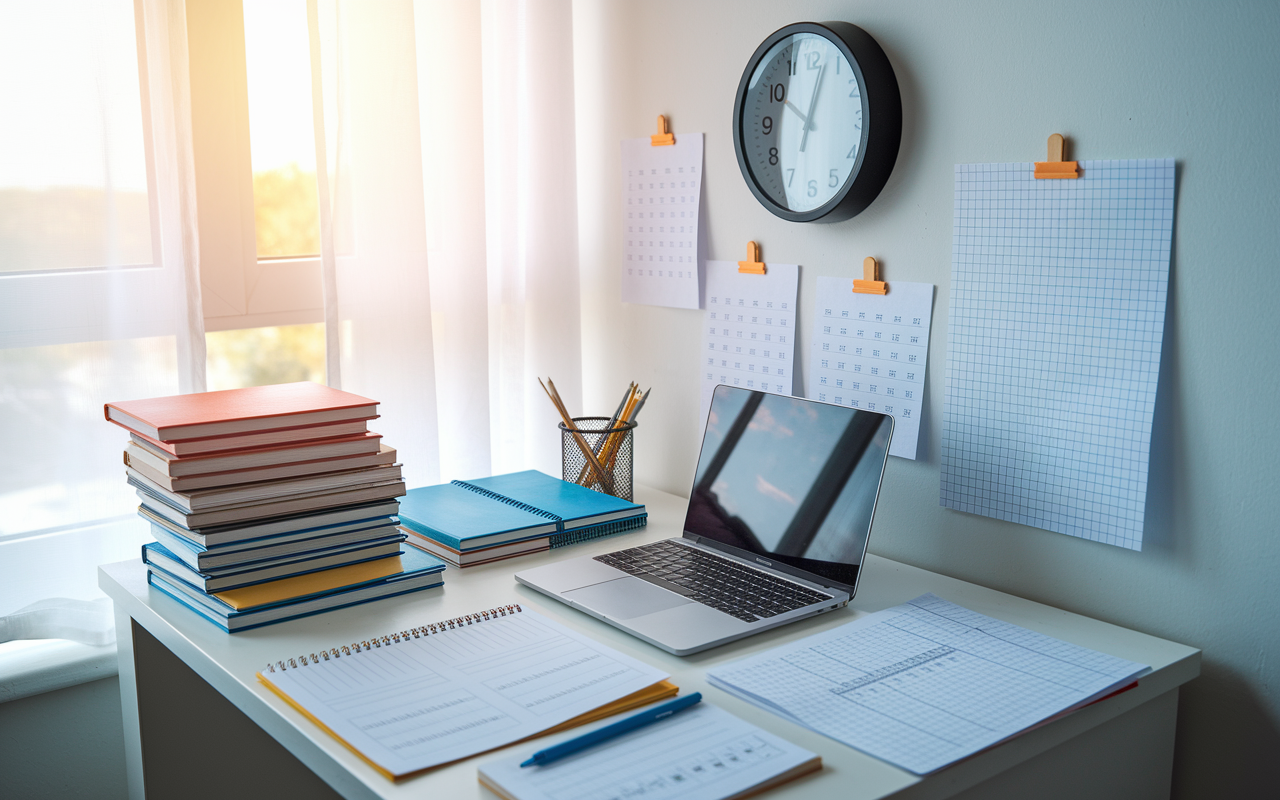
(230, 663)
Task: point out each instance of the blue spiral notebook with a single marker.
(486, 512)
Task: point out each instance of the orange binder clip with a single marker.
(663, 136)
(870, 283)
(1055, 167)
(753, 264)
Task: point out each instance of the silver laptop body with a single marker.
(776, 530)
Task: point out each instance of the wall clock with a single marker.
(817, 121)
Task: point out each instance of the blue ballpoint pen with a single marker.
(612, 731)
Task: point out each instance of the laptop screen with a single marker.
(789, 479)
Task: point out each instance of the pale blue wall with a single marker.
(985, 82)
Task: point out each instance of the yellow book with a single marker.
(319, 582)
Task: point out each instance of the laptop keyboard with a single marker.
(725, 585)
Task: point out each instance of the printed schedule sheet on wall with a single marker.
(661, 187)
(869, 351)
(748, 337)
(1058, 291)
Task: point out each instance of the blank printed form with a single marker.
(924, 684)
(427, 701)
(704, 753)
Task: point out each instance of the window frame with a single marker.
(238, 289)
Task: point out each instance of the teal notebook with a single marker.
(470, 515)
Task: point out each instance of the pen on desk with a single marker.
(612, 731)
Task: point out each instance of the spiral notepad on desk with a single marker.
(444, 691)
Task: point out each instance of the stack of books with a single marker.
(269, 503)
(490, 519)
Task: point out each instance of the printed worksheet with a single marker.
(661, 187)
(748, 334)
(1054, 332)
(461, 690)
(704, 753)
(924, 684)
(870, 351)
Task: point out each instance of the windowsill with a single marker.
(34, 667)
(60, 563)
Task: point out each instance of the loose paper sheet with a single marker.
(924, 684)
(870, 351)
(748, 334)
(703, 753)
(661, 187)
(1053, 344)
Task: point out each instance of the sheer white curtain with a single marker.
(449, 224)
(99, 299)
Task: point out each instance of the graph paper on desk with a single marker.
(1058, 292)
(924, 684)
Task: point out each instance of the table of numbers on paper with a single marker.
(748, 337)
(661, 190)
(870, 351)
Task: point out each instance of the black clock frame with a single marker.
(881, 121)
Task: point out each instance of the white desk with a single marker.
(181, 737)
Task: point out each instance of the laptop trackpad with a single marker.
(624, 598)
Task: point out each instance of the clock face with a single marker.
(802, 122)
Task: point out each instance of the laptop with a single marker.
(777, 526)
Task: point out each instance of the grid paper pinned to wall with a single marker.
(1058, 292)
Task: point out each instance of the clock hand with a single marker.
(802, 117)
(813, 101)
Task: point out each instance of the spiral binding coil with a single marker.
(395, 638)
(501, 498)
(598, 531)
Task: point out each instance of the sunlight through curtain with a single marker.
(99, 290)
(449, 224)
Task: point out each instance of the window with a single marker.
(76, 224)
(256, 180)
(92, 306)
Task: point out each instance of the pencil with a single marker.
(577, 437)
(612, 441)
(630, 417)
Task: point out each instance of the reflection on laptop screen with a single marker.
(790, 479)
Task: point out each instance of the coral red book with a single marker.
(244, 441)
(255, 408)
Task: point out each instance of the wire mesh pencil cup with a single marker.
(608, 468)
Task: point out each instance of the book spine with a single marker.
(509, 501)
(395, 638)
(598, 531)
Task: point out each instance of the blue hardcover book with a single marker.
(157, 555)
(302, 526)
(271, 548)
(472, 515)
(420, 571)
